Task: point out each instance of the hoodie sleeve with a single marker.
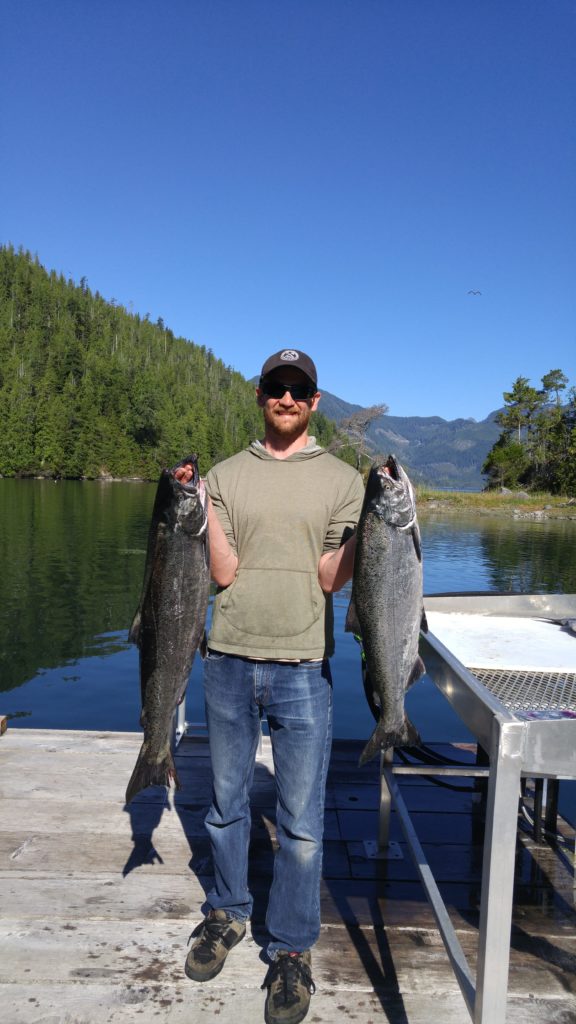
(217, 499)
(345, 514)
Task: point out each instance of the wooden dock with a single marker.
(98, 901)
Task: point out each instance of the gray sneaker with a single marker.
(289, 983)
(216, 935)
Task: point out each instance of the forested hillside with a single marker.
(88, 389)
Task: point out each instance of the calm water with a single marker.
(72, 557)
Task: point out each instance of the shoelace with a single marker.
(211, 933)
(290, 969)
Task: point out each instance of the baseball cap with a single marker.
(291, 357)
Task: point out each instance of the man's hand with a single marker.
(223, 561)
(184, 473)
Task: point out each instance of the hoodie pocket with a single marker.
(283, 603)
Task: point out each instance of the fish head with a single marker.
(187, 507)
(389, 494)
(191, 512)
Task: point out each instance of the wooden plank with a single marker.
(142, 818)
(384, 960)
(72, 739)
(105, 778)
(344, 758)
(541, 867)
(350, 750)
(176, 852)
(430, 827)
(86, 882)
(39, 896)
(182, 1003)
(27, 743)
(102, 779)
(94, 742)
(99, 816)
(81, 853)
(417, 797)
(141, 896)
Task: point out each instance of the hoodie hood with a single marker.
(308, 452)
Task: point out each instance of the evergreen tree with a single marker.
(537, 447)
(88, 389)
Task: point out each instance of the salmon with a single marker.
(169, 624)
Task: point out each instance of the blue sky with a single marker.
(333, 175)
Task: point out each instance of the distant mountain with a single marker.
(435, 451)
(439, 452)
(336, 408)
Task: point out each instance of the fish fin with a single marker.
(418, 670)
(147, 774)
(417, 541)
(371, 695)
(352, 625)
(412, 733)
(423, 621)
(383, 739)
(134, 631)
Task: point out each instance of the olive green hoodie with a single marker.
(280, 516)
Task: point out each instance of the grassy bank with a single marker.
(516, 504)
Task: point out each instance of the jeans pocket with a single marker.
(212, 655)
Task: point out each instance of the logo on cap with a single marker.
(289, 355)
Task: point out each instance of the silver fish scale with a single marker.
(388, 602)
(387, 605)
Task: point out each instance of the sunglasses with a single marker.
(299, 392)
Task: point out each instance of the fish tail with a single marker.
(147, 773)
(383, 738)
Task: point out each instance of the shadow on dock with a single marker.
(145, 816)
(98, 899)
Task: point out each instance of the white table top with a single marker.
(505, 642)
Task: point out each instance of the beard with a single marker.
(287, 424)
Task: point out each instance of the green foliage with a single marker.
(537, 447)
(554, 381)
(88, 389)
(324, 430)
(506, 463)
(522, 403)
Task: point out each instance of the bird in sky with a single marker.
(474, 293)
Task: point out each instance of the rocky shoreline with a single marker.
(508, 504)
(565, 510)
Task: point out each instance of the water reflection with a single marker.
(486, 553)
(72, 563)
(72, 557)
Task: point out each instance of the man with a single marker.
(281, 525)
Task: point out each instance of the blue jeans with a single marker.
(297, 699)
